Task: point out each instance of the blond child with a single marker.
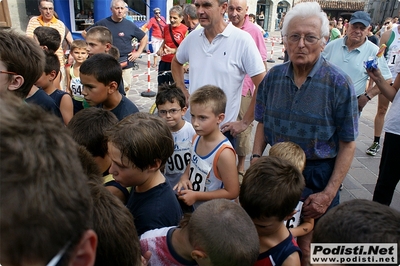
(211, 173)
(99, 41)
(298, 225)
(74, 85)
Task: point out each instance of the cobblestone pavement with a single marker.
(361, 178)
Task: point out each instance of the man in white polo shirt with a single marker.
(220, 54)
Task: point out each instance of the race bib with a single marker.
(199, 171)
(76, 87)
(179, 159)
(295, 220)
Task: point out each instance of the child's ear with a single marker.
(16, 82)
(198, 255)
(183, 110)
(52, 75)
(221, 117)
(113, 86)
(85, 251)
(156, 165)
(108, 47)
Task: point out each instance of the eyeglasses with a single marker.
(308, 39)
(7, 72)
(156, 13)
(386, 23)
(47, 8)
(170, 111)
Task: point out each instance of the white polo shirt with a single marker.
(224, 63)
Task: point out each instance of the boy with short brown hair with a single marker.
(269, 194)
(139, 146)
(293, 153)
(100, 76)
(197, 239)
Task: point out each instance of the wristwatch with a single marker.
(254, 156)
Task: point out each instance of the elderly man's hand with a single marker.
(362, 101)
(316, 205)
(235, 128)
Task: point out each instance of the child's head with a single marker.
(171, 105)
(89, 166)
(356, 221)
(138, 143)
(221, 233)
(21, 62)
(88, 128)
(48, 38)
(100, 76)
(271, 188)
(79, 51)
(114, 52)
(207, 108)
(53, 211)
(98, 40)
(209, 96)
(289, 151)
(118, 241)
(51, 70)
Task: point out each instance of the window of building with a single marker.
(82, 15)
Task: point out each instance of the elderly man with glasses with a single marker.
(47, 19)
(312, 103)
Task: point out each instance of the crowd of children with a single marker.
(108, 185)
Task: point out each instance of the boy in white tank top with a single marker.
(211, 173)
(74, 85)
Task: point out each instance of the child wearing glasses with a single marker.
(171, 105)
(212, 171)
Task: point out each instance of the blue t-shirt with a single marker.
(315, 116)
(122, 33)
(45, 101)
(156, 208)
(124, 108)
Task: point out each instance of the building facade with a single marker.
(381, 9)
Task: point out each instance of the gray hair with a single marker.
(115, 1)
(177, 9)
(307, 9)
(50, 1)
(190, 11)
